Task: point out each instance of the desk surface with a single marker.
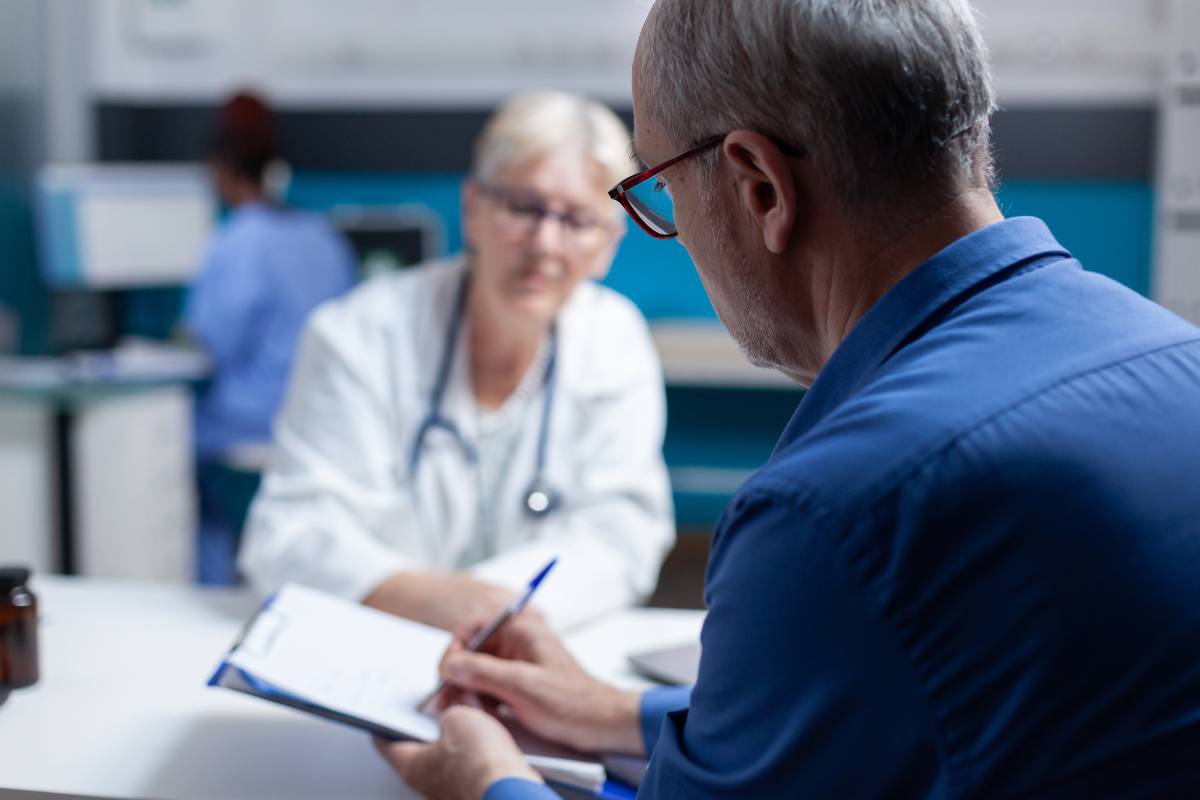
(122, 710)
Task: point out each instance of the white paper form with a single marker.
(358, 661)
(346, 657)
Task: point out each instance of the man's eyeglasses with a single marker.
(649, 201)
(521, 213)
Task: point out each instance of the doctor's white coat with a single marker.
(339, 510)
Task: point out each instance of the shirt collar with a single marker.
(958, 270)
(249, 208)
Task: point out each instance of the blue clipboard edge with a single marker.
(219, 672)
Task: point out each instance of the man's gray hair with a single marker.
(891, 98)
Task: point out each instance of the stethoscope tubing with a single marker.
(540, 499)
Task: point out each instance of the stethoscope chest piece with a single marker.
(541, 499)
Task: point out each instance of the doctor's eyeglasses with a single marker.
(521, 212)
(649, 202)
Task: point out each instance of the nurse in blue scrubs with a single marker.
(266, 269)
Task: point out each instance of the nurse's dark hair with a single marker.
(244, 139)
(892, 98)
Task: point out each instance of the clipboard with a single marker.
(286, 627)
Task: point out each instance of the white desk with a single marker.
(122, 710)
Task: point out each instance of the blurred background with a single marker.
(106, 114)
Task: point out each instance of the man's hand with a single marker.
(473, 752)
(528, 671)
(445, 600)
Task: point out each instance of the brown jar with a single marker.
(18, 630)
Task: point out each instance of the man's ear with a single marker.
(765, 185)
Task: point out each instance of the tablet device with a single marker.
(677, 665)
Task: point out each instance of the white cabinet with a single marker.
(135, 506)
(27, 484)
(99, 481)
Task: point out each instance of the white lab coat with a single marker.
(338, 509)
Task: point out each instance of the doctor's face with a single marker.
(537, 230)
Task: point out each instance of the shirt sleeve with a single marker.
(518, 789)
(330, 489)
(656, 704)
(803, 690)
(618, 523)
(224, 299)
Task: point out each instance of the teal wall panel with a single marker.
(1107, 225)
(658, 276)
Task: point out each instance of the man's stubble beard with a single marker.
(747, 305)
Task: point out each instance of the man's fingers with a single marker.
(455, 647)
(533, 615)
(506, 680)
(449, 696)
(471, 700)
(464, 632)
(402, 755)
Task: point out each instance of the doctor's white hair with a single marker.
(534, 124)
(892, 99)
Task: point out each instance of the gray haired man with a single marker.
(970, 567)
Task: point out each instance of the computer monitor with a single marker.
(387, 238)
(122, 226)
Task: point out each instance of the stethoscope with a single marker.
(540, 497)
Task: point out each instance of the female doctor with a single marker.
(451, 428)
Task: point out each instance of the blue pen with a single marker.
(481, 638)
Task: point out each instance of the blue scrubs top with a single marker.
(971, 567)
(266, 270)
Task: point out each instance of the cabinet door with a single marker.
(28, 532)
(135, 487)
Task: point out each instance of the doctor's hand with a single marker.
(445, 600)
(473, 752)
(526, 669)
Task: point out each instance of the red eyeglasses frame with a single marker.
(619, 191)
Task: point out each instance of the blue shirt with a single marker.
(267, 269)
(971, 567)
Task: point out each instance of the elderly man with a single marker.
(972, 565)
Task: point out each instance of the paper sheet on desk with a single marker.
(365, 664)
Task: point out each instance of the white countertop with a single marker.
(122, 709)
(703, 354)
